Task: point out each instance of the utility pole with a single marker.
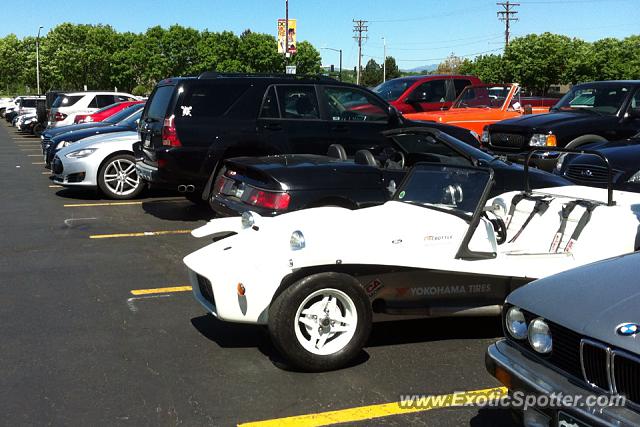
(507, 15)
(384, 60)
(38, 59)
(286, 33)
(360, 27)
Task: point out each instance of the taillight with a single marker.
(81, 118)
(220, 184)
(58, 117)
(266, 199)
(169, 134)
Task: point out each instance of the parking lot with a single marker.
(99, 326)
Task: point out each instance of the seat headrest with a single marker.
(364, 157)
(337, 151)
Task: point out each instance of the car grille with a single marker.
(205, 289)
(597, 364)
(509, 140)
(56, 166)
(588, 174)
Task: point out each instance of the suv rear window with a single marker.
(159, 103)
(208, 101)
(66, 101)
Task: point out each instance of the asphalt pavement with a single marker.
(99, 327)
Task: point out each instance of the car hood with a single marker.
(97, 141)
(622, 155)
(50, 133)
(591, 300)
(84, 133)
(545, 121)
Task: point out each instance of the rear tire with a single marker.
(321, 322)
(118, 179)
(38, 128)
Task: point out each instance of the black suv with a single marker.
(588, 113)
(191, 124)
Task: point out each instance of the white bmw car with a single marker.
(441, 247)
(101, 161)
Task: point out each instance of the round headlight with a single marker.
(540, 336)
(297, 240)
(516, 324)
(247, 220)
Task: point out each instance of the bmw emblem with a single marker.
(628, 329)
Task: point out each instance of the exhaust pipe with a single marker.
(190, 188)
(182, 188)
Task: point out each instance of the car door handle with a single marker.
(273, 126)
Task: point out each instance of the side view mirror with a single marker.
(394, 114)
(137, 122)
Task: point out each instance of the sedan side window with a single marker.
(349, 104)
(298, 102)
(104, 100)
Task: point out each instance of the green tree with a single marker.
(450, 65)
(307, 60)
(372, 74)
(391, 68)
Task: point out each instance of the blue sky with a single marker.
(417, 32)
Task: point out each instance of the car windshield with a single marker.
(123, 114)
(453, 189)
(131, 119)
(392, 89)
(482, 96)
(446, 148)
(601, 99)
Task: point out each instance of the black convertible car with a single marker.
(623, 157)
(272, 185)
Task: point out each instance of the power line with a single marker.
(479, 41)
(360, 27)
(437, 59)
(436, 16)
(507, 15)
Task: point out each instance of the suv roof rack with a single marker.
(216, 75)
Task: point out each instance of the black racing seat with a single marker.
(337, 151)
(364, 157)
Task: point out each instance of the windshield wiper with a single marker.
(588, 110)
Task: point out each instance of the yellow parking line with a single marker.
(141, 234)
(160, 290)
(378, 411)
(55, 186)
(38, 163)
(30, 149)
(34, 155)
(139, 202)
(45, 173)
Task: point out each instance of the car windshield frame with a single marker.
(461, 103)
(564, 104)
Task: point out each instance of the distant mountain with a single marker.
(428, 68)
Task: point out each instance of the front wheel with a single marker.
(321, 322)
(118, 178)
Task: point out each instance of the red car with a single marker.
(105, 112)
(413, 94)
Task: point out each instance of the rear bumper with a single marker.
(520, 373)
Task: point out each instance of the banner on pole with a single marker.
(287, 42)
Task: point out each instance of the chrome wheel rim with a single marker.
(325, 321)
(120, 177)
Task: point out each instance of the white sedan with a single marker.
(441, 247)
(101, 161)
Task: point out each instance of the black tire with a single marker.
(106, 171)
(282, 324)
(37, 129)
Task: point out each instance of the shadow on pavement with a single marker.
(494, 417)
(177, 210)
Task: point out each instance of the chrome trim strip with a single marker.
(606, 348)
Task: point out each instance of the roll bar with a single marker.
(610, 201)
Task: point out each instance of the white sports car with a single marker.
(441, 247)
(100, 161)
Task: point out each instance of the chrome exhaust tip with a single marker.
(182, 188)
(190, 188)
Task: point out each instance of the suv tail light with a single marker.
(58, 117)
(266, 199)
(169, 134)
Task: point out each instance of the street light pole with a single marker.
(38, 59)
(384, 61)
(340, 51)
